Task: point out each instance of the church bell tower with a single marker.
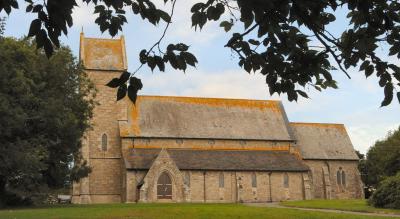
(103, 59)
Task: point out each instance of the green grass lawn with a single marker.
(346, 205)
(162, 211)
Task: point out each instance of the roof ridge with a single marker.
(315, 123)
(108, 39)
(211, 98)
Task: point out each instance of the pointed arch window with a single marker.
(341, 177)
(187, 178)
(104, 142)
(254, 180)
(285, 180)
(221, 180)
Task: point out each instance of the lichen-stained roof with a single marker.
(218, 160)
(103, 54)
(210, 118)
(323, 141)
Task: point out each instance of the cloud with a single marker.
(224, 84)
(363, 135)
(181, 26)
(83, 16)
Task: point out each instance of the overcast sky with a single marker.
(355, 104)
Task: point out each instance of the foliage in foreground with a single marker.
(387, 195)
(43, 115)
(291, 42)
(382, 160)
(170, 211)
(2, 26)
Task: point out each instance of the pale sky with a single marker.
(355, 104)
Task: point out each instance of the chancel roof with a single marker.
(142, 159)
(323, 141)
(206, 118)
(103, 54)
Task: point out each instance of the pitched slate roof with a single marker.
(323, 141)
(209, 118)
(218, 160)
(103, 54)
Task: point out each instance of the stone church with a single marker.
(189, 149)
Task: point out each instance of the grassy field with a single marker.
(163, 211)
(346, 205)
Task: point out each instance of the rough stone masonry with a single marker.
(186, 149)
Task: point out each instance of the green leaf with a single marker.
(164, 15)
(394, 49)
(364, 65)
(189, 58)
(135, 8)
(124, 77)
(254, 42)
(292, 95)
(115, 82)
(181, 62)
(388, 95)
(143, 56)
(151, 62)
(132, 94)
(226, 25)
(196, 7)
(160, 63)
(48, 47)
(37, 8)
(181, 47)
(247, 66)
(35, 27)
(121, 93)
(135, 84)
(99, 8)
(302, 93)
(398, 96)
(369, 70)
(29, 8)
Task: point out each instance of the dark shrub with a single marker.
(387, 194)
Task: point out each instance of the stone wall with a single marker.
(204, 186)
(104, 183)
(324, 179)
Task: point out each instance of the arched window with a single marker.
(285, 180)
(104, 142)
(187, 179)
(254, 180)
(339, 177)
(221, 180)
(343, 178)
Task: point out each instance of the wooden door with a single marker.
(164, 187)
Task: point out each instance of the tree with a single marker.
(278, 40)
(383, 159)
(45, 107)
(387, 195)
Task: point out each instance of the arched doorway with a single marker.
(164, 187)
